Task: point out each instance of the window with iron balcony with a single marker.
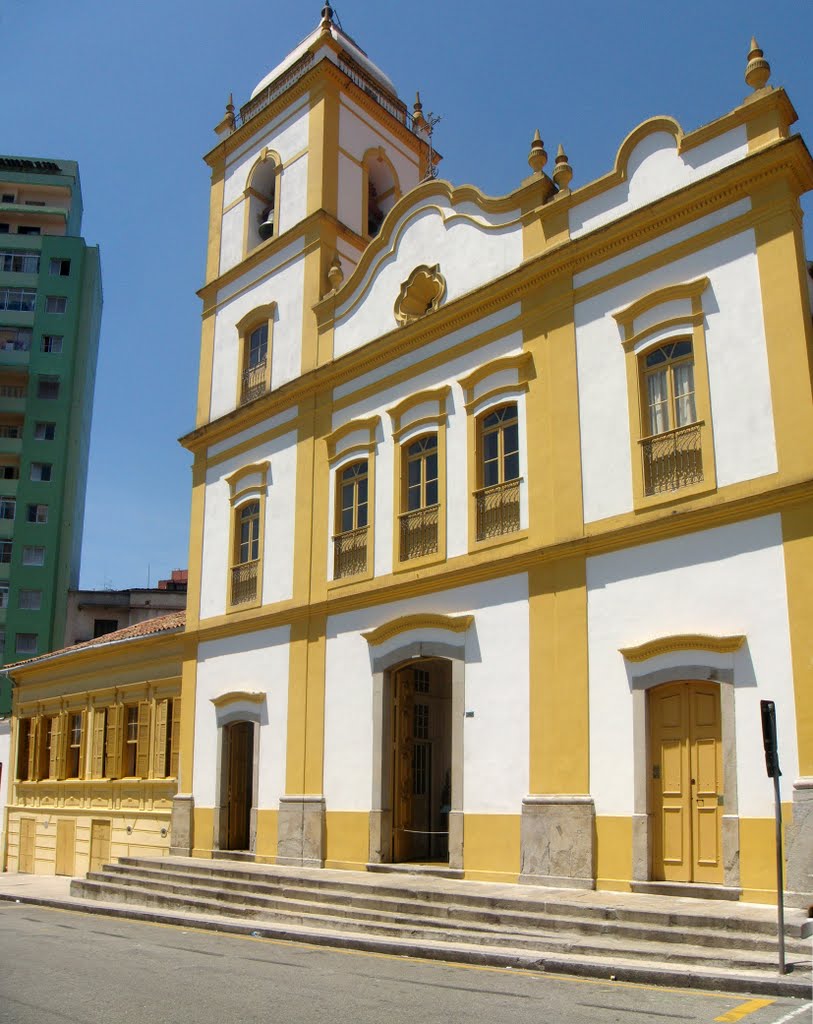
(419, 519)
(497, 496)
(352, 505)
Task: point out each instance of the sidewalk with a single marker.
(54, 891)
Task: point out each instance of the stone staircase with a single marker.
(625, 935)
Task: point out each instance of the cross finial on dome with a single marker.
(327, 14)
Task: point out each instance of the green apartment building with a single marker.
(50, 312)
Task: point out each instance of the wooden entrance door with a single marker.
(65, 846)
(99, 844)
(241, 784)
(28, 839)
(686, 772)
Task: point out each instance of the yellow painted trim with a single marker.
(691, 290)
(521, 362)
(238, 497)
(290, 426)
(797, 546)
(250, 696)
(491, 846)
(245, 326)
(369, 425)
(421, 621)
(234, 478)
(412, 432)
(215, 221)
(683, 642)
(398, 411)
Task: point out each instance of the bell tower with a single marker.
(303, 175)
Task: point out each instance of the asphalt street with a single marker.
(60, 966)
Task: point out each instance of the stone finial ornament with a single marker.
(562, 171)
(757, 70)
(537, 158)
(228, 122)
(335, 274)
(418, 119)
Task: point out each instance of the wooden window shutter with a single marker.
(159, 756)
(115, 735)
(59, 744)
(143, 740)
(30, 767)
(43, 764)
(83, 746)
(97, 748)
(175, 741)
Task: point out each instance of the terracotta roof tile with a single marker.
(162, 624)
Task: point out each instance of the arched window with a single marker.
(497, 497)
(254, 358)
(352, 509)
(381, 189)
(671, 444)
(262, 202)
(419, 517)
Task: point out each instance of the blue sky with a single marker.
(133, 91)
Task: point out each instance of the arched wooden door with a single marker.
(686, 782)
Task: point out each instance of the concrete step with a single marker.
(372, 906)
(467, 894)
(416, 931)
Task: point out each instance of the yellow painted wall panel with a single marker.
(347, 835)
(758, 856)
(265, 845)
(491, 846)
(203, 822)
(613, 852)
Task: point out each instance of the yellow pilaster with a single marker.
(559, 708)
(788, 330)
(189, 678)
(797, 536)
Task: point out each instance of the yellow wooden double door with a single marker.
(686, 780)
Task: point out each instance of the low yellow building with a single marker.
(94, 757)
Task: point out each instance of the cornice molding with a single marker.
(408, 623)
(683, 642)
(249, 696)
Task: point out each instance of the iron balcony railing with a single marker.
(497, 509)
(244, 582)
(350, 553)
(419, 532)
(11, 391)
(254, 383)
(672, 460)
(375, 91)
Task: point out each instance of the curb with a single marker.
(600, 969)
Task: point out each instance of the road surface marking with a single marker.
(794, 1013)
(744, 1009)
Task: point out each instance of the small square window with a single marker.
(36, 514)
(56, 303)
(101, 627)
(59, 268)
(33, 554)
(5, 551)
(28, 229)
(47, 387)
(8, 508)
(10, 471)
(8, 197)
(4, 229)
(52, 343)
(44, 431)
(30, 600)
(3, 593)
(26, 643)
(41, 471)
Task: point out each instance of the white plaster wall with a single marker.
(742, 416)
(471, 248)
(280, 517)
(458, 488)
(654, 170)
(253, 662)
(282, 284)
(5, 777)
(349, 204)
(252, 432)
(288, 136)
(359, 132)
(725, 581)
(495, 744)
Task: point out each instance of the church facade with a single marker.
(502, 507)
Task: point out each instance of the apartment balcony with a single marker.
(419, 532)
(253, 383)
(244, 582)
(350, 553)
(497, 509)
(673, 460)
(9, 444)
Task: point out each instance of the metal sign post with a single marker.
(768, 709)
